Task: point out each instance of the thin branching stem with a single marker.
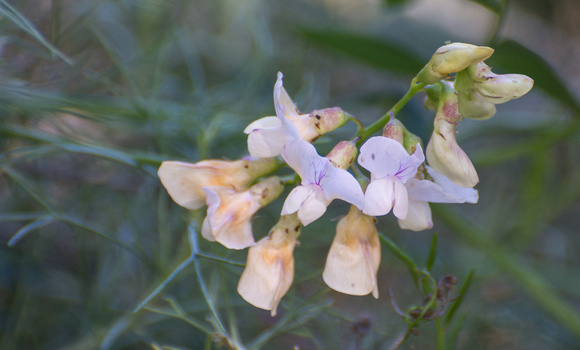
(223, 260)
(364, 134)
(164, 283)
(194, 251)
(401, 339)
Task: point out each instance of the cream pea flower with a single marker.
(185, 181)
(270, 266)
(355, 255)
(229, 212)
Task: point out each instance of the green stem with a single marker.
(359, 125)
(431, 301)
(364, 134)
(164, 284)
(203, 287)
(216, 258)
(403, 256)
(401, 339)
(533, 283)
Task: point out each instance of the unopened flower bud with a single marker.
(452, 58)
(270, 266)
(410, 142)
(185, 181)
(355, 255)
(343, 154)
(443, 152)
(229, 212)
(328, 119)
(394, 130)
(267, 190)
(397, 131)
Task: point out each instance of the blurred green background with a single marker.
(94, 94)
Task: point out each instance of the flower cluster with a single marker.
(401, 178)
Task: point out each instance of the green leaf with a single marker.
(20, 216)
(403, 256)
(457, 303)
(17, 18)
(494, 6)
(516, 58)
(453, 332)
(372, 51)
(396, 2)
(531, 210)
(36, 224)
(56, 215)
(432, 253)
(132, 158)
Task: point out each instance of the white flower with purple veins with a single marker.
(440, 190)
(322, 182)
(391, 167)
(266, 136)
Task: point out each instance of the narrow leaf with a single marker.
(401, 255)
(17, 18)
(20, 216)
(396, 2)
(531, 212)
(432, 253)
(494, 6)
(457, 303)
(453, 332)
(372, 51)
(36, 224)
(516, 58)
(132, 158)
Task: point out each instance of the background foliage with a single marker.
(95, 94)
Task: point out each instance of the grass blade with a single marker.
(17, 18)
(457, 303)
(432, 253)
(36, 224)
